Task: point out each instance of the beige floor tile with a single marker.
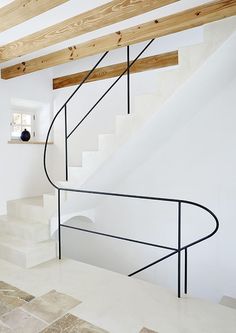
(9, 290)
(22, 322)
(72, 324)
(4, 329)
(51, 306)
(12, 297)
(8, 303)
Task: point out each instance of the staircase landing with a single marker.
(120, 304)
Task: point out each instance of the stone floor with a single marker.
(21, 312)
(88, 299)
(12, 297)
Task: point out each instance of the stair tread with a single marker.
(69, 184)
(76, 167)
(30, 225)
(23, 246)
(34, 201)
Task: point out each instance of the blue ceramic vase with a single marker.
(25, 135)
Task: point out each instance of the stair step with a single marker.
(88, 157)
(218, 31)
(78, 174)
(28, 209)
(228, 301)
(32, 201)
(106, 142)
(25, 254)
(34, 232)
(92, 159)
(49, 199)
(124, 124)
(75, 170)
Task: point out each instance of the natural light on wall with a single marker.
(29, 115)
(20, 122)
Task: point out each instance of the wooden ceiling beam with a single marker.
(187, 19)
(19, 11)
(141, 65)
(102, 16)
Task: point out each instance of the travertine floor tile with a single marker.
(51, 306)
(146, 330)
(8, 290)
(4, 329)
(22, 322)
(11, 297)
(72, 324)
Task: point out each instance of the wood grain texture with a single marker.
(141, 65)
(187, 19)
(19, 11)
(110, 13)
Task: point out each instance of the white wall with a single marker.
(186, 151)
(21, 168)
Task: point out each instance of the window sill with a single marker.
(18, 142)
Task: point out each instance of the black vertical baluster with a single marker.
(128, 79)
(186, 272)
(59, 222)
(179, 249)
(66, 144)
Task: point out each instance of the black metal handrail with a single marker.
(174, 251)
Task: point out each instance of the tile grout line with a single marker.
(33, 315)
(48, 324)
(5, 325)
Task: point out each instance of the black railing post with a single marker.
(128, 80)
(66, 144)
(179, 249)
(59, 222)
(186, 271)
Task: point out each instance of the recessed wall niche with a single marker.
(34, 116)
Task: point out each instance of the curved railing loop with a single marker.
(209, 212)
(175, 251)
(57, 114)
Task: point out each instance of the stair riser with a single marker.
(107, 142)
(34, 258)
(41, 255)
(12, 255)
(26, 212)
(49, 202)
(24, 233)
(79, 176)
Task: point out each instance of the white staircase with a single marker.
(25, 236)
(24, 233)
(168, 81)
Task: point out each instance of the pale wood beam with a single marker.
(187, 19)
(141, 65)
(19, 11)
(107, 14)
